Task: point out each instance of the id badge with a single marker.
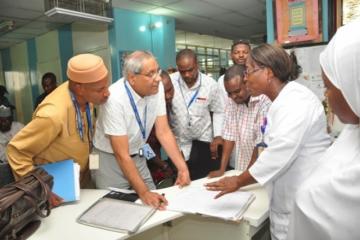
(148, 152)
(93, 161)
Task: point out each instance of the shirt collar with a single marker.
(254, 99)
(195, 86)
(137, 97)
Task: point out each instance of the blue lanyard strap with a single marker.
(193, 97)
(134, 107)
(79, 119)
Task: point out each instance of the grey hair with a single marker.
(133, 62)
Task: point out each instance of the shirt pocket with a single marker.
(198, 108)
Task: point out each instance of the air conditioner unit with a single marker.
(66, 15)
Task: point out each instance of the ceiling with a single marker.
(230, 19)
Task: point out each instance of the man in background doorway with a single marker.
(8, 129)
(48, 83)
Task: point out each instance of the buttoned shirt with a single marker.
(51, 136)
(232, 158)
(194, 122)
(117, 117)
(242, 125)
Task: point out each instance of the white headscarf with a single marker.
(340, 62)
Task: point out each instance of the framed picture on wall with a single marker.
(297, 21)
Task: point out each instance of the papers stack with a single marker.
(198, 200)
(66, 179)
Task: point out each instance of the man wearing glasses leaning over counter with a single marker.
(124, 125)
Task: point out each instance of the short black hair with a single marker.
(240, 41)
(234, 71)
(3, 90)
(186, 53)
(49, 75)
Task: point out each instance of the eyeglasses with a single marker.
(151, 75)
(247, 72)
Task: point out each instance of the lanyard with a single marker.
(193, 97)
(79, 120)
(133, 105)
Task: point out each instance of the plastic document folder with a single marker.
(66, 179)
(198, 200)
(116, 215)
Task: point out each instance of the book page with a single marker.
(196, 199)
(116, 215)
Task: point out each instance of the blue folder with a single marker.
(65, 180)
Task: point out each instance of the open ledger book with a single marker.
(196, 199)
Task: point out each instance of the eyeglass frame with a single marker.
(153, 76)
(247, 72)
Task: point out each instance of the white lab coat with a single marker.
(327, 205)
(296, 137)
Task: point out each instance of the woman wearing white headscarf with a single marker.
(327, 206)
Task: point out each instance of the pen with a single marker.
(161, 201)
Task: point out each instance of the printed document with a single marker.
(197, 199)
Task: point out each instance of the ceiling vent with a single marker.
(79, 10)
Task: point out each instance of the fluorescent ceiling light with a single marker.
(158, 24)
(81, 15)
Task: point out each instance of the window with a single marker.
(210, 60)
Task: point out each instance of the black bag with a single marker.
(22, 203)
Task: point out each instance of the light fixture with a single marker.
(158, 24)
(56, 11)
(155, 25)
(142, 28)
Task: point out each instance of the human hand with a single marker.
(217, 173)
(224, 185)
(183, 178)
(214, 146)
(55, 200)
(154, 199)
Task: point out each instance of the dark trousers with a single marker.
(200, 162)
(6, 175)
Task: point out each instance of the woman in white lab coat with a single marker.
(327, 206)
(295, 134)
